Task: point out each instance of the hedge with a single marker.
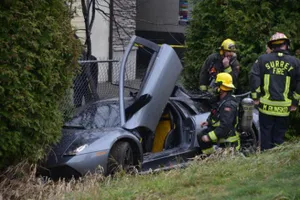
(38, 59)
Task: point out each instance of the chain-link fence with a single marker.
(98, 80)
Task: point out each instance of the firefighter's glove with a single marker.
(211, 90)
(203, 88)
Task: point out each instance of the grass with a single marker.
(273, 175)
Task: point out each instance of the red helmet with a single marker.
(278, 39)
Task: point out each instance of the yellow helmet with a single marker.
(228, 45)
(278, 39)
(225, 81)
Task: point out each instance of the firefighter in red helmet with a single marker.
(275, 87)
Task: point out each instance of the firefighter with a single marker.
(275, 88)
(222, 121)
(223, 61)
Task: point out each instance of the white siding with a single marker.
(78, 20)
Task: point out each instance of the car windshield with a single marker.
(97, 115)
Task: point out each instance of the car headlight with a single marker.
(75, 151)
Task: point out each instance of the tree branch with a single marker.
(93, 16)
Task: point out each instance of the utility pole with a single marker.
(110, 48)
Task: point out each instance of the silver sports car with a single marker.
(157, 127)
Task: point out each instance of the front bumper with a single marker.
(75, 166)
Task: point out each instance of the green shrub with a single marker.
(38, 57)
(249, 23)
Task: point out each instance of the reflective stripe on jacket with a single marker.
(214, 65)
(275, 81)
(222, 121)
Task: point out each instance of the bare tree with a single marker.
(88, 11)
(119, 33)
(120, 14)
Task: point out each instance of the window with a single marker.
(102, 114)
(97, 115)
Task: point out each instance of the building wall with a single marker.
(78, 21)
(100, 34)
(100, 31)
(158, 15)
(124, 23)
(123, 29)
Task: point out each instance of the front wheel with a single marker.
(120, 158)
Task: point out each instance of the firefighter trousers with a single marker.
(272, 129)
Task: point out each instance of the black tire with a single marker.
(120, 158)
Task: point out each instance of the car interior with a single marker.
(167, 133)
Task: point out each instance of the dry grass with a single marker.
(20, 182)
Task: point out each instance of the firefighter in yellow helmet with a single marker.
(275, 87)
(222, 121)
(223, 61)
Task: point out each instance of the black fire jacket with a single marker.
(223, 119)
(213, 65)
(275, 81)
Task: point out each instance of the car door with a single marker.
(158, 83)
